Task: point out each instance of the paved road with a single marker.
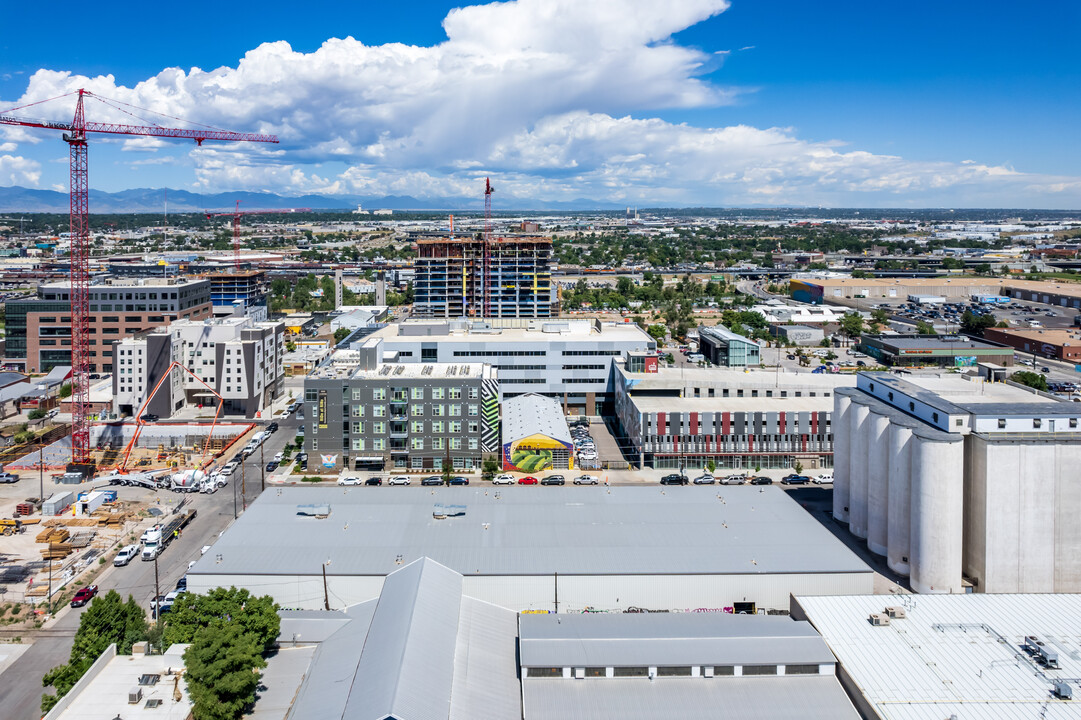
(20, 684)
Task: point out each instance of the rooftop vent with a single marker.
(149, 679)
(895, 612)
(317, 511)
(1063, 691)
(153, 703)
(879, 619)
(135, 696)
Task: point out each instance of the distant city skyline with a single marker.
(685, 103)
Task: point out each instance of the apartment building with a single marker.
(570, 360)
(39, 329)
(247, 289)
(672, 418)
(236, 357)
(506, 277)
(364, 413)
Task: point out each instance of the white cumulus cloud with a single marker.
(18, 170)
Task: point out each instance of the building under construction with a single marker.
(504, 277)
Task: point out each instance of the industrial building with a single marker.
(724, 348)
(368, 414)
(570, 360)
(1058, 344)
(39, 329)
(798, 334)
(498, 277)
(904, 657)
(562, 549)
(235, 357)
(910, 350)
(819, 290)
(683, 418)
(1049, 293)
(777, 312)
(535, 435)
(428, 649)
(961, 484)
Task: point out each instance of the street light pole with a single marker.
(262, 466)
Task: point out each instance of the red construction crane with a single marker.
(75, 134)
(488, 190)
(236, 224)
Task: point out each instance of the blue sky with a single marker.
(767, 102)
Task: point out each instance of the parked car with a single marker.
(125, 556)
(349, 481)
(459, 480)
(527, 480)
(823, 479)
(150, 418)
(503, 479)
(734, 480)
(182, 584)
(272, 427)
(705, 480)
(6, 477)
(432, 480)
(374, 480)
(586, 480)
(674, 479)
(398, 480)
(82, 597)
(761, 480)
(302, 458)
(554, 480)
(279, 456)
(795, 480)
(271, 466)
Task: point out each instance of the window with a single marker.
(759, 669)
(379, 394)
(417, 426)
(357, 411)
(473, 444)
(418, 393)
(416, 443)
(455, 410)
(456, 443)
(800, 669)
(416, 410)
(437, 426)
(437, 393)
(626, 671)
(681, 671)
(379, 444)
(358, 443)
(438, 443)
(1036, 423)
(596, 672)
(1073, 422)
(311, 395)
(474, 393)
(379, 428)
(437, 410)
(723, 670)
(474, 427)
(473, 410)
(356, 391)
(456, 427)
(545, 672)
(379, 410)
(455, 393)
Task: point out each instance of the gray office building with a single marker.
(725, 348)
(366, 414)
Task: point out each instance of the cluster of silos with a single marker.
(898, 482)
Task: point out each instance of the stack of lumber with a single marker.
(56, 551)
(52, 535)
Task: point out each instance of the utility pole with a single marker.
(243, 488)
(157, 590)
(262, 466)
(41, 471)
(234, 493)
(326, 594)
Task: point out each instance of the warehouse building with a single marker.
(561, 549)
(819, 290)
(570, 360)
(960, 484)
(942, 350)
(368, 414)
(1008, 657)
(535, 435)
(1048, 293)
(1058, 344)
(426, 649)
(798, 334)
(683, 418)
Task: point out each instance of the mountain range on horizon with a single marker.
(152, 200)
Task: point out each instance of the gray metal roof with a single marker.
(421, 651)
(722, 333)
(811, 697)
(667, 639)
(533, 414)
(531, 531)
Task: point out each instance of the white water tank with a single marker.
(841, 441)
(878, 495)
(900, 491)
(937, 517)
(857, 468)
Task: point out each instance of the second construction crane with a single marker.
(236, 215)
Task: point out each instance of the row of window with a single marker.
(437, 443)
(417, 410)
(415, 427)
(673, 671)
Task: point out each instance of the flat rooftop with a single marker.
(530, 531)
(653, 404)
(947, 342)
(952, 394)
(341, 368)
(902, 282)
(555, 330)
(953, 655)
(785, 379)
(1066, 336)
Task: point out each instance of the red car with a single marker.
(527, 480)
(84, 596)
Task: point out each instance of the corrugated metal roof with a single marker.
(756, 698)
(485, 664)
(954, 654)
(532, 531)
(533, 414)
(666, 639)
(407, 664)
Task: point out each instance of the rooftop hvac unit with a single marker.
(135, 696)
(879, 619)
(895, 612)
(1063, 691)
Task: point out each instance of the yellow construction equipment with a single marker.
(10, 526)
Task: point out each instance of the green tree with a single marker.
(35, 414)
(108, 620)
(219, 608)
(65, 390)
(657, 332)
(852, 325)
(221, 672)
(975, 323)
(1031, 379)
(448, 470)
(925, 328)
(880, 316)
(341, 334)
(489, 467)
